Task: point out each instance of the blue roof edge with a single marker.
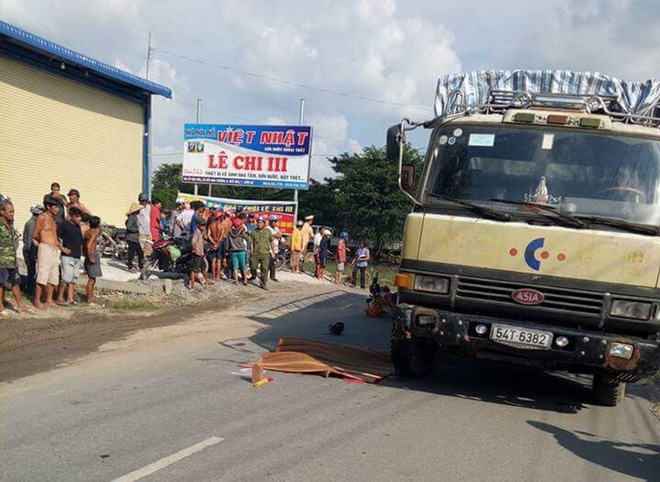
(43, 45)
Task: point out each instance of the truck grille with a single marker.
(556, 299)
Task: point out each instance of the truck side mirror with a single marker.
(393, 146)
(407, 177)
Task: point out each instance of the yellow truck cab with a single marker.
(534, 235)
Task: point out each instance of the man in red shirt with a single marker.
(154, 222)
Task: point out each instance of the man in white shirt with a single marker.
(183, 221)
(317, 239)
(274, 245)
(144, 231)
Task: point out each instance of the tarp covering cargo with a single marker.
(634, 97)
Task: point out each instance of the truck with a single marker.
(533, 237)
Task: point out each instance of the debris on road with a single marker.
(336, 328)
(299, 355)
(263, 382)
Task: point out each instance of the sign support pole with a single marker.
(295, 191)
(199, 120)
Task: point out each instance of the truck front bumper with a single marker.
(586, 351)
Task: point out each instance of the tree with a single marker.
(368, 198)
(166, 183)
(321, 201)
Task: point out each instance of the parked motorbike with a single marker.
(283, 257)
(173, 256)
(112, 242)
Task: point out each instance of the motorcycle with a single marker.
(112, 242)
(283, 257)
(173, 256)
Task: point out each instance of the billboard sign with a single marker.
(284, 210)
(244, 155)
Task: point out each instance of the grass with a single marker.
(132, 305)
(386, 272)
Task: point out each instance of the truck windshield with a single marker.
(577, 172)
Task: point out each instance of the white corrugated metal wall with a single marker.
(56, 129)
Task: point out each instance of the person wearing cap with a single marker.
(59, 198)
(238, 238)
(340, 257)
(30, 249)
(307, 233)
(48, 253)
(261, 239)
(296, 247)
(274, 245)
(133, 238)
(180, 221)
(74, 202)
(8, 260)
(198, 252)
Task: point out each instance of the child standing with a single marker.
(92, 258)
(198, 252)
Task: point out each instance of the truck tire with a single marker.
(608, 391)
(412, 357)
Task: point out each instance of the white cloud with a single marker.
(383, 49)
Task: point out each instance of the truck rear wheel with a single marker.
(412, 357)
(607, 390)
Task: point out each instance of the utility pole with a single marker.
(150, 144)
(148, 55)
(301, 118)
(198, 120)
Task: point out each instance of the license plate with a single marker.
(521, 336)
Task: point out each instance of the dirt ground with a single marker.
(33, 343)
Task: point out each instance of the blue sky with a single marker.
(383, 49)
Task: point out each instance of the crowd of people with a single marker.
(61, 239)
(227, 245)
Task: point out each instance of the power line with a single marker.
(290, 82)
(261, 122)
(180, 153)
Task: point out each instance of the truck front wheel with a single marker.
(412, 357)
(607, 390)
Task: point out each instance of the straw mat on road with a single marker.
(299, 355)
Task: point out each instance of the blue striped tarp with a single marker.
(635, 97)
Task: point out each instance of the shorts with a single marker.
(70, 267)
(238, 260)
(48, 264)
(93, 270)
(9, 276)
(340, 267)
(196, 264)
(146, 244)
(295, 258)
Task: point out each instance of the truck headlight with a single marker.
(637, 310)
(433, 284)
(621, 350)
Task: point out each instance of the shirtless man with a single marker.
(74, 202)
(48, 253)
(215, 232)
(92, 258)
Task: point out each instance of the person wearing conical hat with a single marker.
(133, 237)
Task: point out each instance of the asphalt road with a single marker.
(165, 406)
